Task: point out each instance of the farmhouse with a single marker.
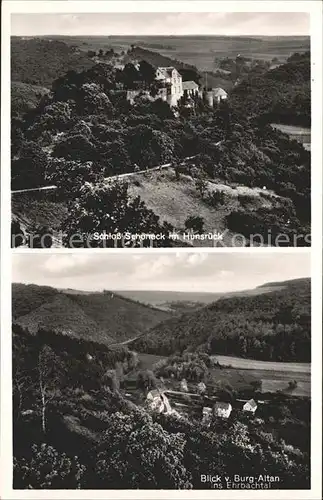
(222, 410)
(158, 401)
(250, 406)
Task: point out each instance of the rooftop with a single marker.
(218, 92)
(190, 85)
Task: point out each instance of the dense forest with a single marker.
(104, 317)
(38, 61)
(85, 130)
(281, 95)
(275, 326)
(69, 388)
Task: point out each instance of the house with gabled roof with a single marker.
(250, 406)
(172, 79)
(219, 94)
(190, 88)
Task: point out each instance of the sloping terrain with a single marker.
(99, 317)
(273, 326)
(25, 96)
(27, 298)
(64, 316)
(176, 200)
(40, 61)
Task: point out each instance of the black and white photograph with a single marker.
(160, 129)
(161, 371)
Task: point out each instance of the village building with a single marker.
(158, 401)
(207, 416)
(222, 410)
(250, 406)
(173, 82)
(201, 388)
(190, 89)
(219, 95)
(184, 386)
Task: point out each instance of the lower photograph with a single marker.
(164, 371)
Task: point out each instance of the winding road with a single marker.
(108, 179)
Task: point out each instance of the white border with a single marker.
(315, 9)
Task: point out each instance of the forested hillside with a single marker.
(282, 94)
(71, 388)
(275, 326)
(39, 61)
(102, 317)
(85, 130)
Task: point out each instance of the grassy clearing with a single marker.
(174, 201)
(147, 361)
(275, 376)
(264, 365)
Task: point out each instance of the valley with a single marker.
(116, 361)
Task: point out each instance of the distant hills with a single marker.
(181, 301)
(100, 317)
(269, 326)
(270, 322)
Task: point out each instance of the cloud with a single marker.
(56, 264)
(200, 271)
(162, 23)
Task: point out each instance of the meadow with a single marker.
(199, 51)
(275, 376)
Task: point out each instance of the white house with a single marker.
(207, 415)
(250, 406)
(219, 94)
(201, 388)
(184, 386)
(173, 81)
(190, 88)
(222, 410)
(157, 401)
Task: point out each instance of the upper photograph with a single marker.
(160, 130)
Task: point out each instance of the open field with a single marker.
(198, 50)
(147, 361)
(300, 134)
(275, 376)
(253, 364)
(175, 201)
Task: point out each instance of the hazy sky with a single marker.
(216, 272)
(162, 23)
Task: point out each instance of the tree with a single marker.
(146, 379)
(18, 236)
(111, 381)
(48, 379)
(201, 186)
(195, 223)
(147, 72)
(137, 453)
(69, 176)
(130, 75)
(107, 208)
(47, 468)
(29, 170)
